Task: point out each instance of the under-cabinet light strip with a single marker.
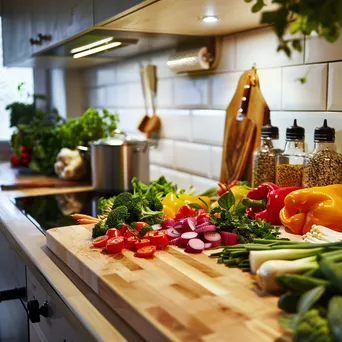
(97, 49)
(92, 45)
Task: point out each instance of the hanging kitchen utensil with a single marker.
(258, 112)
(150, 77)
(145, 118)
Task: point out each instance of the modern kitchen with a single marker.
(170, 170)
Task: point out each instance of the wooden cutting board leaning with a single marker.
(173, 296)
(240, 138)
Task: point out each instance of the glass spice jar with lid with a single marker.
(324, 165)
(290, 163)
(264, 159)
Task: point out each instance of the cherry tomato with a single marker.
(115, 245)
(139, 225)
(184, 211)
(146, 252)
(100, 241)
(113, 232)
(149, 235)
(159, 239)
(130, 242)
(127, 234)
(14, 160)
(123, 228)
(142, 243)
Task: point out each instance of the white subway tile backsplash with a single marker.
(136, 97)
(105, 75)
(182, 179)
(111, 96)
(223, 88)
(164, 93)
(216, 160)
(308, 120)
(335, 86)
(208, 126)
(318, 49)
(308, 96)
(260, 47)
(191, 91)
(163, 154)
(193, 158)
(155, 172)
(97, 97)
(175, 124)
(129, 119)
(228, 54)
(270, 85)
(202, 184)
(129, 71)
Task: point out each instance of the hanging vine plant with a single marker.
(324, 17)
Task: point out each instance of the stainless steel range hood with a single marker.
(126, 44)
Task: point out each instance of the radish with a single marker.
(167, 223)
(188, 225)
(207, 228)
(203, 220)
(199, 226)
(172, 234)
(185, 237)
(213, 237)
(229, 239)
(194, 246)
(208, 245)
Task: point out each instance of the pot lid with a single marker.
(120, 138)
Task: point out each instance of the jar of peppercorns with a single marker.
(290, 163)
(264, 159)
(324, 165)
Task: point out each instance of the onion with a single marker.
(208, 245)
(203, 220)
(194, 246)
(168, 223)
(175, 242)
(213, 237)
(188, 225)
(172, 234)
(185, 237)
(229, 239)
(206, 228)
(156, 227)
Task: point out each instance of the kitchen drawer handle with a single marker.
(35, 311)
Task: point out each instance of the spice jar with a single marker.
(324, 165)
(264, 159)
(290, 163)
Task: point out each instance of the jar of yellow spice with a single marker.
(290, 163)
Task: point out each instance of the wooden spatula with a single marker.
(240, 132)
(145, 118)
(153, 122)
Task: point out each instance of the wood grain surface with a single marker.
(174, 296)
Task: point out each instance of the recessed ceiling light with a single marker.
(210, 18)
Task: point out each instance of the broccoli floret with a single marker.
(154, 203)
(311, 327)
(117, 216)
(144, 230)
(123, 199)
(134, 208)
(100, 229)
(151, 217)
(104, 205)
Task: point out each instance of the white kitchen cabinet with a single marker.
(16, 30)
(59, 20)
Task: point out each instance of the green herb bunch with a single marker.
(301, 16)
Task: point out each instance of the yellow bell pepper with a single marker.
(319, 205)
(239, 192)
(172, 202)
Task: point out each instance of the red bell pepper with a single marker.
(266, 201)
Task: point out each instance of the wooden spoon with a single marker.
(142, 124)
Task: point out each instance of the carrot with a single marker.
(85, 221)
(82, 216)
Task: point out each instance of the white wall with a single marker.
(192, 108)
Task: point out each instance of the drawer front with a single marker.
(55, 327)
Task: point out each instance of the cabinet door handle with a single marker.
(44, 37)
(35, 311)
(35, 41)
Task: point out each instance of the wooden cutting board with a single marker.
(174, 296)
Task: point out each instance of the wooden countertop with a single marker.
(99, 321)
